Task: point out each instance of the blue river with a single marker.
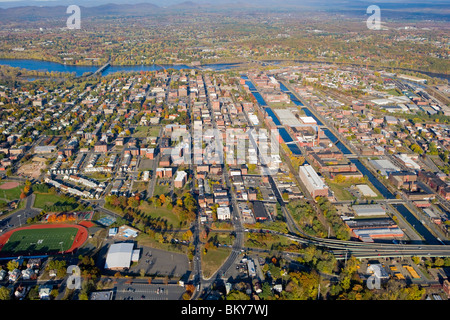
(413, 221)
(273, 116)
(255, 93)
(41, 65)
(291, 95)
(287, 138)
(377, 184)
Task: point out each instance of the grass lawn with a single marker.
(339, 190)
(145, 240)
(264, 241)
(101, 177)
(146, 131)
(160, 212)
(160, 189)
(221, 237)
(213, 259)
(140, 186)
(49, 199)
(342, 194)
(40, 240)
(11, 194)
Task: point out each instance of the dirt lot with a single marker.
(32, 169)
(9, 185)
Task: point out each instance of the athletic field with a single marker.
(45, 240)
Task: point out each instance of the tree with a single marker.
(186, 296)
(187, 235)
(12, 264)
(162, 198)
(5, 293)
(266, 293)
(439, 262)
(416, 148)
(302, 286)
(237, 295)
(416, 259)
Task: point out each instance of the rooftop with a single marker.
(313, 177)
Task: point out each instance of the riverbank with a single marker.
(427, 73)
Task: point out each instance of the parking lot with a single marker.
(162, 263)
(145, 291)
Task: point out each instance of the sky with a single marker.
(170, 2)
(330, 4)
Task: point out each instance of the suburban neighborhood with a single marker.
(257, 180)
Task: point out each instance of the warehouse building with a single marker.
(312, 181)
(384, 166)
(367, 235)
(120, 256)
(369, 210)
(259, 211)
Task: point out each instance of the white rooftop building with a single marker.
(119, 256)
(287, 118)
(312, 181)
(223, 213)
(407, 161)
(384, 166)
(369, 210)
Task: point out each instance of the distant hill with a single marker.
(56, 10)
(35, 13)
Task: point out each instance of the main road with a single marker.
(205, 284)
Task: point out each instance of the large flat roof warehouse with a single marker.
(119, 256)
(366, 190)
(312, 176)
(369, 210)
(410, 163)
(308, 120)
(287, 118)
(384, 166)
(374, 233)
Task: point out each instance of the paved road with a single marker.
(145, 291)
(239, 240)
(19, 218)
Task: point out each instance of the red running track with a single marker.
(80, 237)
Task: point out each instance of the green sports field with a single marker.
(40, 240)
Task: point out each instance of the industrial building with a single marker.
(384, 166)
(120, 256)
(312, 181)
(287, 118)
(366, 190)
(369, 210)
(259, 211)
(367, 235)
